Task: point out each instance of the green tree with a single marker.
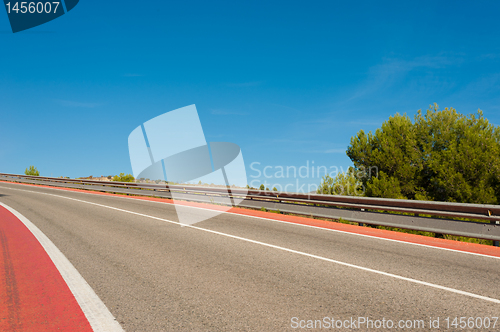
(345, 183)
(123, 178)
(32, 171)
(442, 155)
(262, 187)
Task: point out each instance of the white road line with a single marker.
(98, 315)
(395, 276)
(336, 231)
(296, 224)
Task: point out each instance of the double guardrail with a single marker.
(480, 221)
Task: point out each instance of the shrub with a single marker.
(32, 171)
(123, 178)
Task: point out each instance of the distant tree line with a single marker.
(33, 171)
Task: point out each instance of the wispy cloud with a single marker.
(245, 84)
(71, 103)
(366, 123)
(483, 93)
(328, 151)
(305, 145)
(485, 85)
(391, 71)
(227, 112)
(294, 141)
(334, 151)
(331, 121)
(285, 108)
(489, 56)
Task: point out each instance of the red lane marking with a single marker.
(380, 233)
(33, 294)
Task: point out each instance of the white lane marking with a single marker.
(292, 223)
(334, 230)
(395, 276)
(98, 315)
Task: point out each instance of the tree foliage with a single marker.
(442, 155)
(345, 183)
(32, 171)
(123, 178)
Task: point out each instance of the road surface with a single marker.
(234, 272)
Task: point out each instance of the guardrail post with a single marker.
(361, 224)
(420, 210)
(496, 243)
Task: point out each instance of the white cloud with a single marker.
(71, 103)
(226, 112)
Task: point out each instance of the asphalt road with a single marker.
(155, 275)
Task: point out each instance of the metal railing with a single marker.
(482, 221)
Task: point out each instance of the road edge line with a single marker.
(145, 199)
(301, 253)
(96, 312)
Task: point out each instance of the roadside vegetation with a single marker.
(32, 171)
(441, 155)
(123, 178)
(345, 183)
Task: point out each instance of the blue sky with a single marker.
(290, 82)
